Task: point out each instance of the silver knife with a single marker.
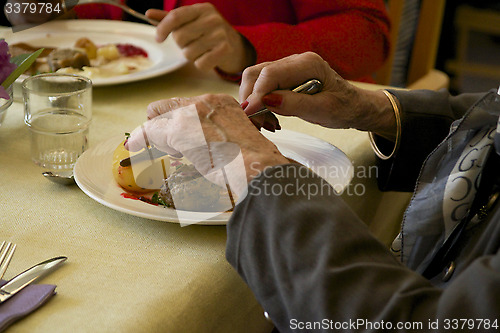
(151, 153)
(17, 283)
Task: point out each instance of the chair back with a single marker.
(415, 32)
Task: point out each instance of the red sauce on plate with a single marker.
(129, 50)
(142, 198)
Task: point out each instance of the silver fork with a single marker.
(310, 87)
(6, 253)
(113, 3)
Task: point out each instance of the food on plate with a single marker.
(187, 189)
(88, 46)
(40, 65)
(108, 53)
(141, 177)
(22, 48)
(172, 184)
(87, 58)
(62, 58)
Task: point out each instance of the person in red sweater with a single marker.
(351, 35)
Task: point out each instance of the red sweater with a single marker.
(351, 35)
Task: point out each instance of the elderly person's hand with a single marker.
(212, 132)
(338, 105)
(205, 37)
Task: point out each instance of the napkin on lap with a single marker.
(24, 302)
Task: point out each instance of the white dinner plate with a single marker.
(94, 176)
(165, 57)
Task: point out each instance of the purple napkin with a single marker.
(24, 302)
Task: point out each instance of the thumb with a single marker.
(151, 133)
(164, 106)
(137, 140)
(156, 14)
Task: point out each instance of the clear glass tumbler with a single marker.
(58, 112)
(5, 104)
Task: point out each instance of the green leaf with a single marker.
(23, 62)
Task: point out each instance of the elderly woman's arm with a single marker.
(309, 259)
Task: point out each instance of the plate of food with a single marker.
(100, 175)
(107, 52)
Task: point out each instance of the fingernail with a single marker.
(244, 105)
(159, 38)
(272, 100)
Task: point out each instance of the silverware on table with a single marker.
(30, 275)
(71, 3)
(6, 253)
(310, 87)
(60, 179)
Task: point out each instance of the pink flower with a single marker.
(6, 67)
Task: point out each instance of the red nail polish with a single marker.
(244, 105)
(272, 100)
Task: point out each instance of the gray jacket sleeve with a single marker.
(310, 261)
(426, 117)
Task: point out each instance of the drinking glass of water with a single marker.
(58, 112)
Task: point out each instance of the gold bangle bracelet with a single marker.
(397, 114)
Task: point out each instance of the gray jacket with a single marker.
(314, 266)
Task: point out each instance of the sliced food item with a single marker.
(186, 189)
(62, 58)
(88, 46)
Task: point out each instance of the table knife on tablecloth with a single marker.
(17, 283)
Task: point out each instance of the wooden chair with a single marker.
(467, 20)
(422, 51)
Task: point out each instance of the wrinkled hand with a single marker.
(212, 132)
(205, 37)
(339, 105)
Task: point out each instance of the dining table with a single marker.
(126, 273)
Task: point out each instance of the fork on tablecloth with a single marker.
(6, 253)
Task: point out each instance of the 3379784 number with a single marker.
(471, 324)
(32, 8)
